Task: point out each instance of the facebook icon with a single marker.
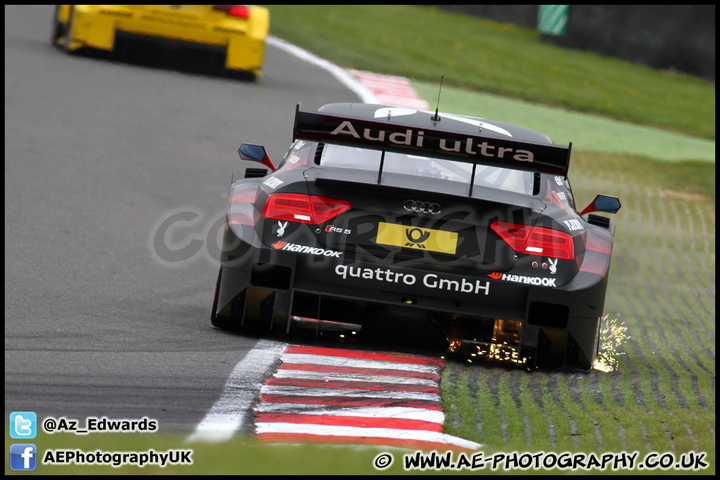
(23, 456)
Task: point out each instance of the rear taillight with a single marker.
(325, 208)
(303, 208)
(240, 11)
(288, 206)
(536, 240)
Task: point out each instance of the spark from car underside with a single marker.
(503, 346)
(501, 352)
(612, 336)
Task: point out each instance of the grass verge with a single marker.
(424, 43)
(240, 456)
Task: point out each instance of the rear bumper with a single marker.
(557, 325)
(98, 26)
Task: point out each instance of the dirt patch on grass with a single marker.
(688, 197)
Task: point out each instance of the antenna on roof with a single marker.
(437, 118)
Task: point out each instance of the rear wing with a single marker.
(474, 149)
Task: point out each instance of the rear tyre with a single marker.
(57, 30)
(213, 313)
(67, 39)
(221, 322)
(241, 75)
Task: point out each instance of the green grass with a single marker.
(244, 456)
(424, 43)
(539, 427)
(240, 456)
(588, 132)
(688, 179)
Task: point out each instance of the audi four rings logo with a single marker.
(422, 207)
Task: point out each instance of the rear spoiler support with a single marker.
(382, 163)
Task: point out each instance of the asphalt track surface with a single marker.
(97, 154)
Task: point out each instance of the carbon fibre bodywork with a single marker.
(380, 216)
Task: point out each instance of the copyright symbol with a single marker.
(49, 425)
(383, 461)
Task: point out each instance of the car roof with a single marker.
(411, 117)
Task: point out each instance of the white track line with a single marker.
(228, 414)
(353, 377)
(343, 76)
(347, 392)
(391, 90)
(345, 431)
(405, 413)
(357, 363)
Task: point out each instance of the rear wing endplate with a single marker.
(474, 149)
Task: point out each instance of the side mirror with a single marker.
(255, 153)
(603, 203)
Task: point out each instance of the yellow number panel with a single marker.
(416, 237)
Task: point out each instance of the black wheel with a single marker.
(220, 322)
(57, 29)
(234, 322)
(241, 75)
(67, 38)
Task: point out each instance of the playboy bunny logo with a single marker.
(553, 265)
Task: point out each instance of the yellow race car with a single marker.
(236, 31)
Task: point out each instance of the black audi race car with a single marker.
(380, 216)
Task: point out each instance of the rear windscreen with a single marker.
(400, 168)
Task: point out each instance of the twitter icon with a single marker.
(23, 425)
